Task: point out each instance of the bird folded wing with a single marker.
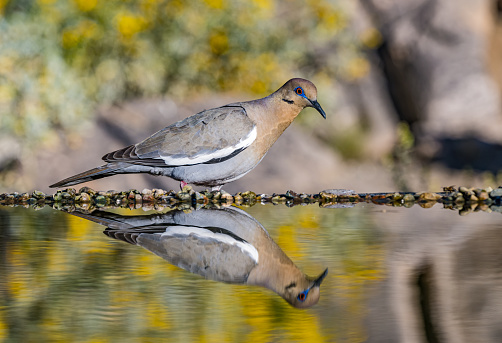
(207, 137)
(209, 252)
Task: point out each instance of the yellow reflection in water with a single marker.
(3, 325)
(87, 287)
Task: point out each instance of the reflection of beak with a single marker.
(318, 280)
(318, 107)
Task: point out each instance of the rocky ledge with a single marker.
(464, 199)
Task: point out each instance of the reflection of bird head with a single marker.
(305, 291)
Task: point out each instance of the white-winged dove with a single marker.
(212, 147)
(225, 245)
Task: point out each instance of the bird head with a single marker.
(301, 93)
(305, 292)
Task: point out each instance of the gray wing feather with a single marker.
(206, 131)
(204, 256)
(202, 134)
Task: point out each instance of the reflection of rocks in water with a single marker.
(225, 245)
(443, 280)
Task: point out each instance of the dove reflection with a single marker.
(226, 245)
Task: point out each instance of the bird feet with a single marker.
(213, 189)
(182, 184)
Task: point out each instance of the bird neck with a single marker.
(272, 116)
(275, 270)
(274, 108)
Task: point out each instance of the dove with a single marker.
(212, 147)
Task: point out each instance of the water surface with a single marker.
(395, 275)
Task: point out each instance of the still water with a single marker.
(394, 275)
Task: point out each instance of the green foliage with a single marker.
(38, 90)
(60, 59)
(405, 138)
(402, 159)
(350, 143)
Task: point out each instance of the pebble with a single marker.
(427, 196)
(408, 198)
(496, 193)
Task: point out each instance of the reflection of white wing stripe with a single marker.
(201, 158)
(221, 237)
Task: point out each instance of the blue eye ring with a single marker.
(303, 295)
(299, 91)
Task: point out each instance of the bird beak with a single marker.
(318, 107)
(318, 280)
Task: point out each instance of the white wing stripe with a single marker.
(201, 158)
(221, 237)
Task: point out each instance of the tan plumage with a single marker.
(212, 147)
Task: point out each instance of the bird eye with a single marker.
(302, 295)
(299, 90)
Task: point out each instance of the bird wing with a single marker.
(213, 253)
(209, 136)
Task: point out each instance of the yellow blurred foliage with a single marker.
(157, 48)
(6, 93)
(86, 5)
(129, 24)
(264, 4)
(216, 4)
(3, 3)
(85, 29)
(218, 42)
(357, 68)
(70, 38)
(175, 7)
(47, 2)
(371, 38)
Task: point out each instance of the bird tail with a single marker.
(92, 174)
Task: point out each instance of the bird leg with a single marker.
(182, 184)
(216, 188)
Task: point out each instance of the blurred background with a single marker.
(411, 88)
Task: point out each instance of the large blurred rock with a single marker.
(434, 58)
